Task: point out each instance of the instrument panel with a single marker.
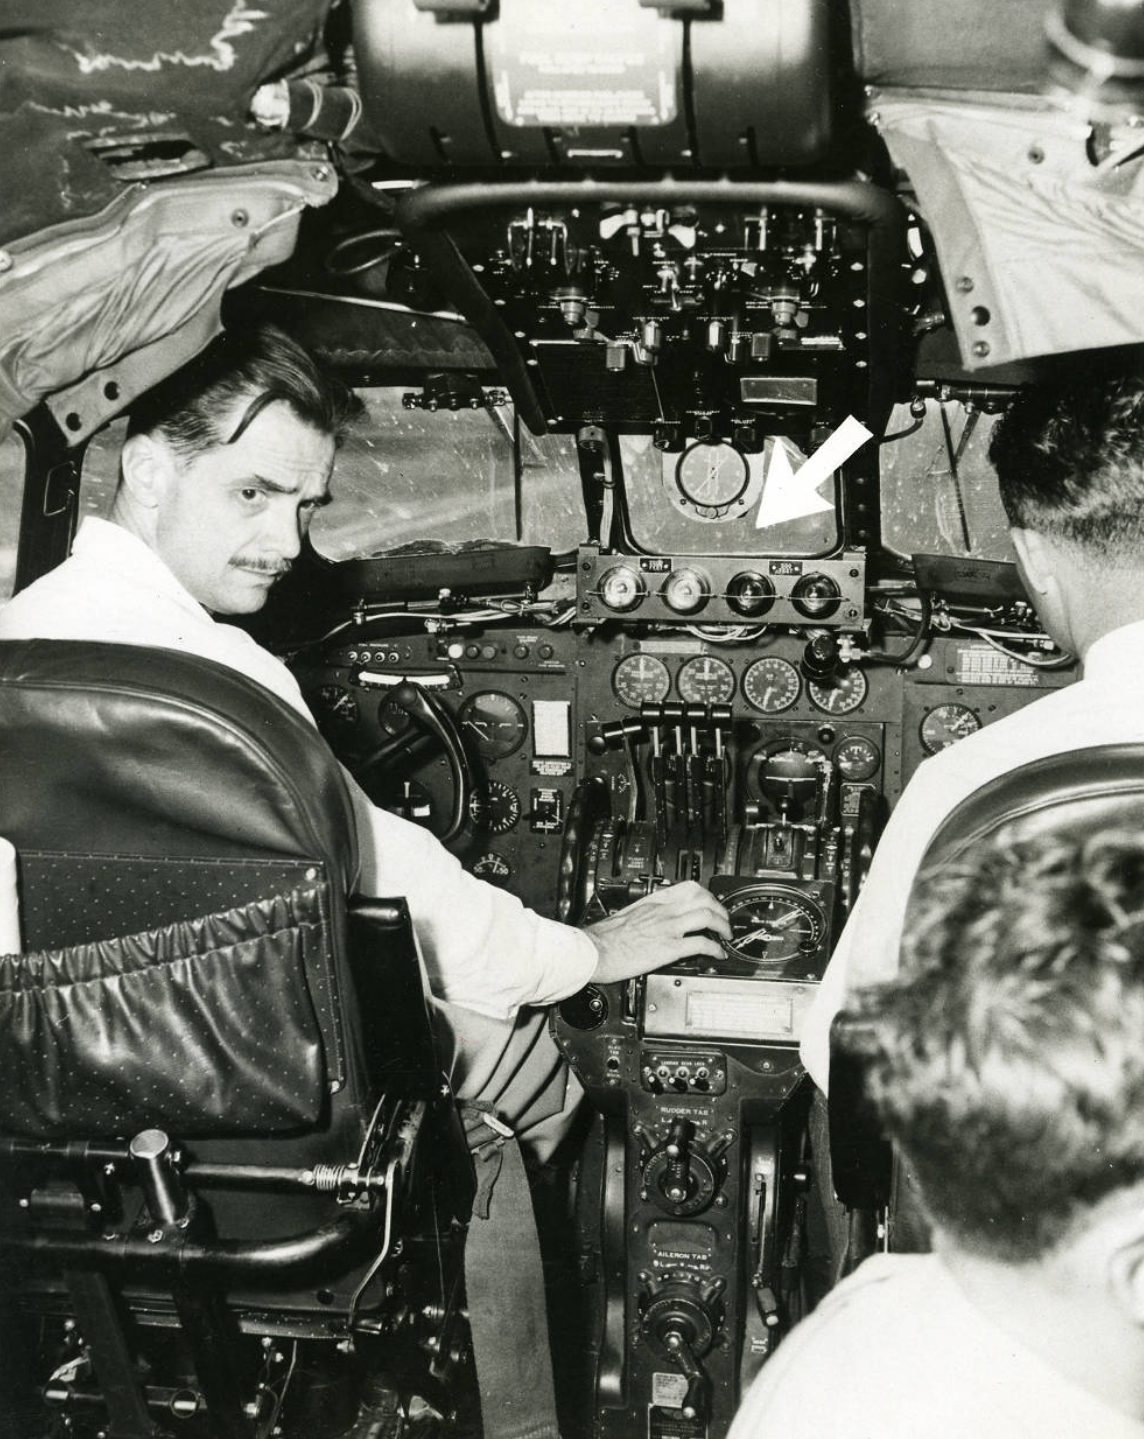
(603, 760)
(531, 706)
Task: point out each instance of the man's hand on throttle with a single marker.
(666, 925)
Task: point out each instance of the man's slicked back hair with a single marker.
(1069, 456)
(1009, 1053)
(193, 409)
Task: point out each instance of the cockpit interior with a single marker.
(663, 545)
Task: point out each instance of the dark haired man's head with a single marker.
(227, 461)
(1069, 456)
(1009, 1060)
(260, 366)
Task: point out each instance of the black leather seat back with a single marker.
(146, 791)
(1081, 792)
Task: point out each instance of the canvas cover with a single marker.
(134, 188)
(1038, 220)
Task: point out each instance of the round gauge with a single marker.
(711, 477)
(772, 685)
(774, 924)
(685, 591)
(393, 718)
(857, 757)
(750, 594)
(494, 808)
(336, 706)
(816, 596)
(845, 694)
(705, 680)
(494, 722)
(621, 588)
(640, 679)
(945, 725)
(492, 867)
(788, 775)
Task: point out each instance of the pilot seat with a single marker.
(232, 1178)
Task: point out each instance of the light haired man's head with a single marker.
(1009, 1062)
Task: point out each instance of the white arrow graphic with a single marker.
(793, 494)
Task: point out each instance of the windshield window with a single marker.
(706, 500)
(407, 478)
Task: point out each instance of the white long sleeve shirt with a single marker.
(1105, 707)
(483, 949)
(897, 1350)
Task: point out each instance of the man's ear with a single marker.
(1034, 559)
(146, 466)
(1125, 1270)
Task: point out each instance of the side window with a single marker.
(12, 461)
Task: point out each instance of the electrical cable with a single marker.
(917, 642)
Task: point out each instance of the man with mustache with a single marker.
(224, 466)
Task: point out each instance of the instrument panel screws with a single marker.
(321, 172)
(1036, 155)
(155, 1236)
(239, 219)
(981, 349)
(964, 284)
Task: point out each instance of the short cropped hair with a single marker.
(1009, 1054)
(261, 364)
(1069, 456)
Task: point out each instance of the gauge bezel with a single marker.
(688, 458)
(874, 754)
(796, 898)
(787, 668)
(481, 807)
(492, 749)
(820, 606)
(817, 693)
(639, 589)
(962, 708)
(725, 671)
(676, 577)
(750, 609)
(627, 662)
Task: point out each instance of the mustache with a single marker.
(277, 568)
